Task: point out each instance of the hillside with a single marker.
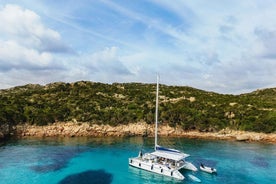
(123, 103)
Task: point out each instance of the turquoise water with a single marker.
(105, 160)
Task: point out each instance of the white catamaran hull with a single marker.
(156, 168)
(189, 166)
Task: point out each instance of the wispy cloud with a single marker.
(151, 23)
(216, 45)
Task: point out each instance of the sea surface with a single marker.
(105, 160)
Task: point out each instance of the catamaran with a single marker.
(164, 161)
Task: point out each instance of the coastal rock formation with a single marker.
(5, 131)
(243, 137)
(72, 129)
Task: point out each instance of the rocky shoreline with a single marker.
(75, 129)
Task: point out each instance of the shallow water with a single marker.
(105, 160)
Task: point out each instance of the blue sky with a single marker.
(225, 46)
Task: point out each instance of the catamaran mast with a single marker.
(156, 111)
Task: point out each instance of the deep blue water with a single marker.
(105, 160)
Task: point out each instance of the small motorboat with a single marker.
(207, 169)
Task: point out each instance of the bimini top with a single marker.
(168, 153)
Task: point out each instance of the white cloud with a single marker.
(238, 41)
(26, 28)
(27, 47)
(267, 40)
(14, 56)
(216, 45)
(106, 61)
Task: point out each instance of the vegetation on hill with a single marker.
(122, 103)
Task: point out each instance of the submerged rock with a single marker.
(88, 177)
